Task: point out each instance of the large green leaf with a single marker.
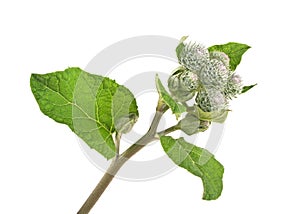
(233, 50)
(199, 162)
(94, 107)
(175, 107)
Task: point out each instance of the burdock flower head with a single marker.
(193, 56)
(234, 86)
(183, 84)
(210, 100)
(209, 74)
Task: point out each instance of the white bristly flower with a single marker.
(220, 56)
(210, 99)
(234, 86)
(194, 56)
(214, 74)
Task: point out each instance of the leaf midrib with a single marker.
(198, 166)
(77, 106)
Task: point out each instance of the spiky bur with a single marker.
(212, 68)
(189, 80)
(220, 56)
(234, 86)
(183, 84)
(210, 100)
(216, 83)
(193, 56)
(214, 74)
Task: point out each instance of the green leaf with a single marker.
(180, 46)
(89, 104)
(175, 107)
(199, 162)
(233, 50)
(214, 116)
(247, 88)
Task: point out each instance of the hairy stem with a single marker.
(168, 130)
(117, 143)
(118, 161)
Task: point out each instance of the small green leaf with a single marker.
(175, 107)
(180, 46)
(247, 88)
(214, 116)
(199, 162)
(89, 104)
(233, 50)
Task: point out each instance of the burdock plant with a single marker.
(100, 111)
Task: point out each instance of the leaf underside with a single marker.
(89, 104)
(197, 161)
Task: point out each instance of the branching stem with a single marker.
(118, 161)
(168, 130)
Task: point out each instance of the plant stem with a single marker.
(117, 143)
(118, 162)
(168, 130)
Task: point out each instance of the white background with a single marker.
(43, 170)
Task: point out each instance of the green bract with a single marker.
(165, 97)
(247, 88)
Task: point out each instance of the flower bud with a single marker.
(234, 86)
(183, 84)
(189, 80)
(210, 100)
(191, 124)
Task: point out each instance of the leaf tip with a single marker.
(247, 88)
(157, 82)
(208, 197)
(183, 38)
(35, 78)
(34, 75)
(156, 77)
